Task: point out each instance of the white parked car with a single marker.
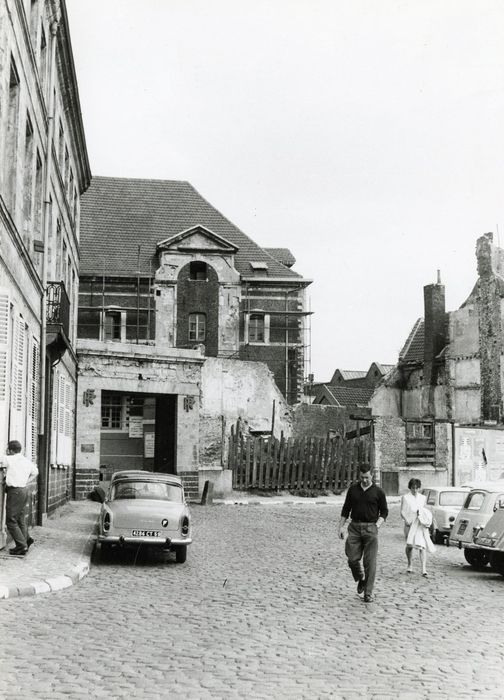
(145, 508)
(444, 502)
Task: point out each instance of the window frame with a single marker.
(119, 316)
(194, 334)
(252, 339)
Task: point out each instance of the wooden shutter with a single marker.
(33, 402)
(4, 365)
(18, 395)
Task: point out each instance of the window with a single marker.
(256, 328)
(431, 499)
(197, 328)
(10, 155)
(43, 57)
(112, 412)
(418, 431)
(58, 249)
(198, 271)
(452, 498)
(474, 500)
(28, 179)
(61, 144)
(112, 325)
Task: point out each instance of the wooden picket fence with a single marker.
(269, 463)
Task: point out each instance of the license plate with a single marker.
(462, 529)
(484, 540)
(145, 533)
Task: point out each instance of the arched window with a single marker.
(197, 328)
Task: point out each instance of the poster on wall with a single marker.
(479, 454)
(136, 427)
(149, 445)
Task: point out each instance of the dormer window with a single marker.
(259, 267)
(198, 271)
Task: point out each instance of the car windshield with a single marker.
(474, 501)
(452, 498)
(150, 490)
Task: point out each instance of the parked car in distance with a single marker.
(145, 508)
(480, 504)
(491, 539)
(444, 502)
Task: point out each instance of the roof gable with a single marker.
(198, 239)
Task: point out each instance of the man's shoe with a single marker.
(29, 542)
(18, 551)
(368, 598)
(361, 585)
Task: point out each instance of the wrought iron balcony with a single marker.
(58, 316)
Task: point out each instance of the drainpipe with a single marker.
(43, 440)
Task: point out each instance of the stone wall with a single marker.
(390, 451)
(60, 486)
(317, 420)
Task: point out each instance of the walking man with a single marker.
(366, 504)
(19, 469)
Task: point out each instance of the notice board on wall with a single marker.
(149, 445)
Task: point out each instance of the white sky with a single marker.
(365, 135)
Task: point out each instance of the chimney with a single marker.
(434, 327)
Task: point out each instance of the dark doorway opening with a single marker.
(165, 457)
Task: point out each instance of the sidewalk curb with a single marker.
(55, 583)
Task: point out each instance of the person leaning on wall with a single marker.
(18, 471)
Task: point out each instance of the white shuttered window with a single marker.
(4, 366)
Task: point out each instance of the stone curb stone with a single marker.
(55, 583)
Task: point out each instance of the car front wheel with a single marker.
(497, 562)
(477, 558)
(180, 553)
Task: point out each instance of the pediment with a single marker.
(198, 239)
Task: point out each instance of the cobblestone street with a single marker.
(265, 607)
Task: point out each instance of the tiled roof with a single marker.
(120, 214)
(350, 396)
(384, 368)
(283, 255)
(414, 346)
(352, 374)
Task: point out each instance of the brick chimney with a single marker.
(434, 328)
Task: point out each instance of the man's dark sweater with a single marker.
(365, 505)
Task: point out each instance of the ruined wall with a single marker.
(232, 389)
(489, 301)
(386, 401)
(390, 444)
(444, 449)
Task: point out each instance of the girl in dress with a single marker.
(417, 519)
